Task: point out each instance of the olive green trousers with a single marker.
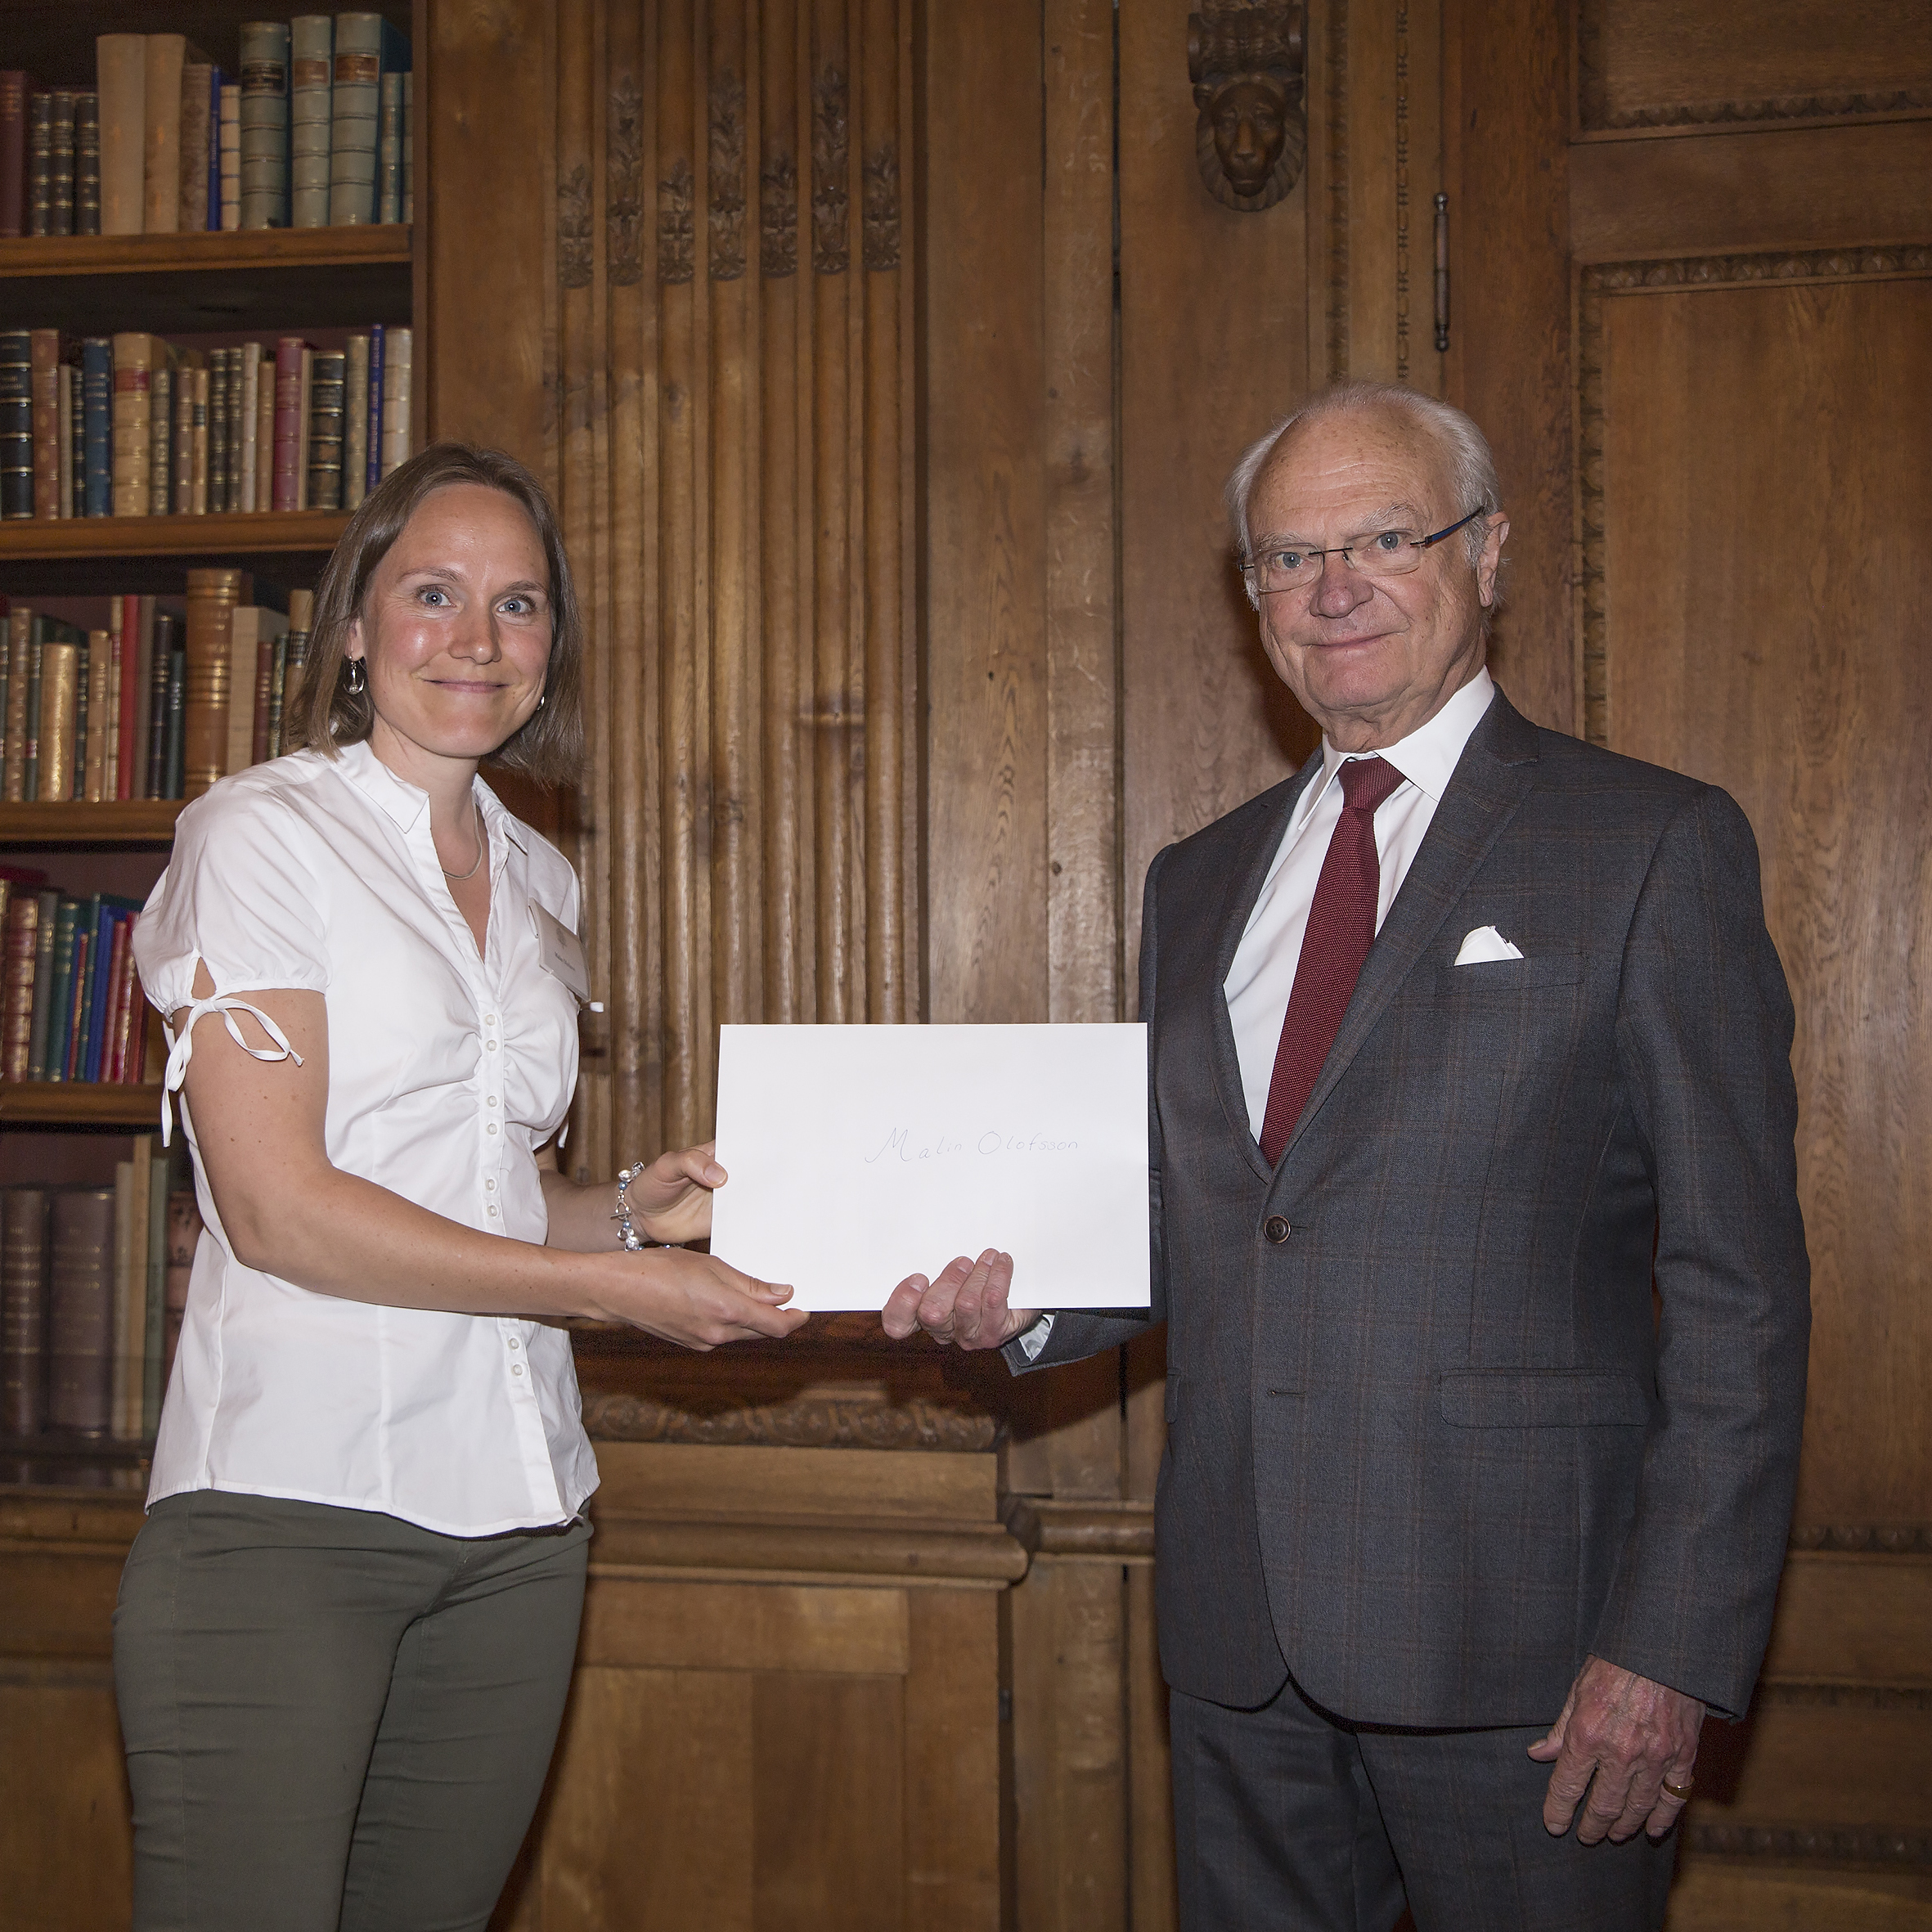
(335, 1721)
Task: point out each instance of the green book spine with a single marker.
(75, 1045)
(43, 986)
(157, 1296)
(60, 990)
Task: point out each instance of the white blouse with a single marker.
(446, 1072)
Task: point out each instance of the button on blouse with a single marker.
(447, 1072)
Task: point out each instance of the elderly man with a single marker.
(1461, 1039)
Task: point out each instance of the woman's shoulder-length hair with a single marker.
(325, 714)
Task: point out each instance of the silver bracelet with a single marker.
(620, 1214)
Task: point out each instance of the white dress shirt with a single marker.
(447, 1072)
(1263, 974)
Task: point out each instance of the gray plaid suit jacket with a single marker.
(1433, 1448)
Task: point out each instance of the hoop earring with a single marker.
(355, 679)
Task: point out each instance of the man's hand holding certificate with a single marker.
(861, 1155)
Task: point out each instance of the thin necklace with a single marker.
(482, 846)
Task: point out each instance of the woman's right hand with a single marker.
(696, 1301)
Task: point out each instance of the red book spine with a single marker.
(117, 961)
(132, 697)
(135, 1071)
(288, 420)
(77, 1037)
(14, 88)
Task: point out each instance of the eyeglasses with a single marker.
(1382, 553)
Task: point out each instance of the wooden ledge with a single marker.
(234, 249)
(905, 1551)
(1110, 1532)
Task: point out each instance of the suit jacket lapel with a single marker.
(1245, 881)
(1493, 774)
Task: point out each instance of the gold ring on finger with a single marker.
(1680, 1792)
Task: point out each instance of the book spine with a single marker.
(214, 150)
(82, 691)
(265, 431)
(60, 672)
(81, 1311)
(245, 632)
(104, 982)
(265, 655)
(44, 384)
(311, 40)
(304, 424)
(133, 363)
(120, 1017)
(70, 492)
(396, 399)
(14, 89)
(144, 679)
(93, 731)
(355, 423)
(158, 658)
(129, 689)
(19, 650)
(231, 493)
(7, 694)
(288, 420)
(372, 472)
(136, 1277)
(87, 162)
(110, 756)
(30, 776)
(74, 1003)
(181, 469)
(277, 688)
(43, 986)
(228, 149)
(160, 207)
(96, 404)
(121, 73)
(354, 132)
(251, 417)
(218, 363)
(23, 1310)
(197, 104)
(122, 1399)
(61, 197)
(198, 448)
(388, 151)
(326, 411)
(174, 757)
(265, 124)
(213, 596)
(161, 469)
(61, 989)
(16, 423)
(17, 985)
(156, 1258)
(40, 163)
(409, 147)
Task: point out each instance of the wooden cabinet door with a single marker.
(1693, 298)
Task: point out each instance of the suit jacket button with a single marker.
(1276, 1229)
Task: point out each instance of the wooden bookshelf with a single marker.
(252, 279)
(80, 1103)
(126, 821)
(65, 556)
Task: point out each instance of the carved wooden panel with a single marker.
(1644, 64)
(732, 362)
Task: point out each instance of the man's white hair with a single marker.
(1473, 469)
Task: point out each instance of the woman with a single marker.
(345, 1632)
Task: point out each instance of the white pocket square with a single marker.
(1486, 943)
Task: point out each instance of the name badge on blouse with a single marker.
(560, 952)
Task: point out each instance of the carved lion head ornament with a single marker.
(1246, 59)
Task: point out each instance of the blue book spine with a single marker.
(214, 150)
(373, 473)
(100, 992)
(96, 405)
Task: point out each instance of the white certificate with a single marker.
(860, 1155)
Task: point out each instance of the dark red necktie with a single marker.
(1340, 930)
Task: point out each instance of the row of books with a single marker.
(156, 705)
(134, 425)
(71, 1007)
(93, 1282)
(314, 132)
